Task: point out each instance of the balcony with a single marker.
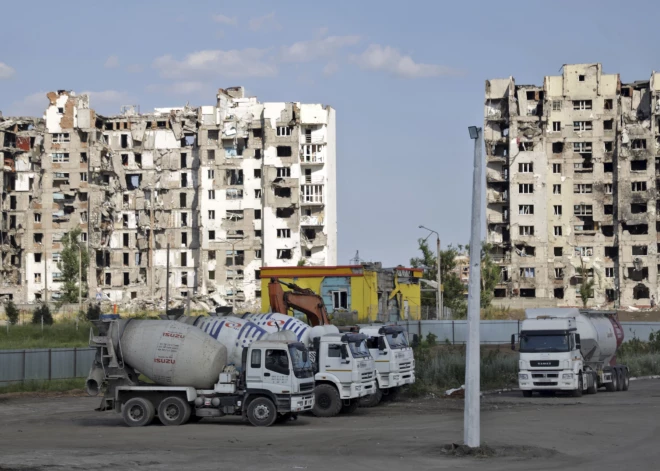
(313, 139)
(311, 220)
(497, 218)
(497, 197)
(311, 194)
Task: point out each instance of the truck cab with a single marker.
(393, 358)
(345, 372)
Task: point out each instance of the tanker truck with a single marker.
(194, 377)
(343, 368)
(570, 350)
(394, 359)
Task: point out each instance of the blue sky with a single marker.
(406, 79)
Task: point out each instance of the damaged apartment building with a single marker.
(229, 188)
(573, 178)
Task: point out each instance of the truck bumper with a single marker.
(395, 380)
(302, 403)
(357, 390)
(565, 380)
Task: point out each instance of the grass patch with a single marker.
(61, 334)
(55, 385)
(644, 364)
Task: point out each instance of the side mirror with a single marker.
(344, 352)
(513, 342)
(577, 341)
(381, 343)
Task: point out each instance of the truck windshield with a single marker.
(302, 366)
(398, 340)
(544, 343)
(359, 349)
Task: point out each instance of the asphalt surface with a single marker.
(606, 431)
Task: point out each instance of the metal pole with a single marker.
(79, 284)
(439, 300)
(167, 279)
(472, 414)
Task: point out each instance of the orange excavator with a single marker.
(301, 299)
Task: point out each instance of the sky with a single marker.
(406, 80)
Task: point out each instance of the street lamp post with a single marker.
(439, 301)
(472, 432)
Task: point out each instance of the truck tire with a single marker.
(262, 412)
(593, 387)
(619, 377)
(527, 393)
(138, 412)
(626, 379)
(327, 402)
(578, 392)
(372, 400)
(351, 407)
(174, 410)
(613, 384)
(392, 394)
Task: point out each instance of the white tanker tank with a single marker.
(570, 350)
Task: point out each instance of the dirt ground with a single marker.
(605, 431)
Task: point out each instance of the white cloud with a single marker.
(390, 60)
(6, 71)
(330, 69)
(134, 69)
(183, 88)
(111, 62)
(32, 105)
(225, 20)
(264, 23)
(306, 51)
(233, 64)
(108, 101)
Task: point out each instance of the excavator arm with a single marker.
(301, 299)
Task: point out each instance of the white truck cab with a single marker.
(394, 360)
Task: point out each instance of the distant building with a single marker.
(365, 292)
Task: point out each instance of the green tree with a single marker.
(68, 266)
(491, 275)
(93, 312)
(12, 312)
(586, 284)
(43, 311)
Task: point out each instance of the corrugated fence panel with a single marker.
(44, 364)
(11, 365)
(85, 358)
(36, 364)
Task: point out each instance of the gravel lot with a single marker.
(605, 431)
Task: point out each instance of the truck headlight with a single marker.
(523, 376)
(567, 376)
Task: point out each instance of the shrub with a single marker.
(431, 339)
(12, 312)
(42, 312)
(93, 312)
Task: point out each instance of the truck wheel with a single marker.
(327, 402)
(593, 387)
(626, 379)
(350, 408)
(619, 378)
(578, 392)
(174, 411)
(262, 412)
(527, 393)
(614, 382)
(392, 394)
(138, 412)
(372, 400)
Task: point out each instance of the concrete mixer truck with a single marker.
(195, 376)
(570, 350)
(343, 368)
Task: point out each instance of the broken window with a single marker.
(556, 168)
(611, 252)
(184, 160)
(182, 200)
(608, 124)
(283, 233)
(235, 234)
(211, 235)
(257, 233)
(38, 238)
(557, 210)
(234, 177)
(210, 155)
(257, 193)
(284, 130)
(257, 214)
(108, 279)
(581, 104)
(211, 254)
(609, 188)
(609, 272)
(184, 259)
(211, 174)
(556, 189)
(125, 220)
(211, 274)
(283, 192)
(557, 230)
(638, 186)
(527, 272)
(559, 273)
(257, 133)
(61, 138)
(638, 144)
(636, 229)
(257, 153)
(584, 251)
(526, 209)
(640, 291)
(184, 239)
(37, 217)
(235, 215)
(558, 251)
(526, 188)
(184, 180)
(608, 167)
(609, 146)
(526, 167)
(234, 194)
(184, 278)
(579, 126)
(525, 146)
(236, 257)
(526, 230)
(583, 210)
(640, 250)
(608, 231)
(257, 254)
(638, 165)
(626, 91)
(257, 173)
(126, 257)
(583, 188)
(125, 239)
(557, 147)
(608, 209)
(608, 104)
(311, 194)
(124, 141)
(184, 219)
(284, 254)
(213, 135)
(283, 151)
(284, 212)
(581, 78)
(59, 157)
(37, 277)
(211, 214)
(133, 181)
(582, 147)
(556, 126)
(556, 105)
(83, 177)
(283, 172)
(211, 194)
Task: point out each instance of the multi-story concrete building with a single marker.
(571, 187)
(229, 188)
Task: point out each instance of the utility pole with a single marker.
(79, 284)
(167, 280)
(472, 413)
(438, 299)
(152, 210)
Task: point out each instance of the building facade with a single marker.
(229, 188)
(572, 195)
(361, 293)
